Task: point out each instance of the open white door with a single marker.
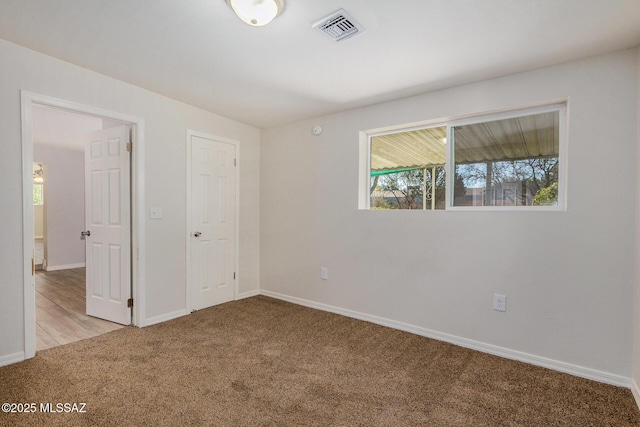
(108, 224)
(212, 221)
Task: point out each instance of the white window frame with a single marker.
(561, 106)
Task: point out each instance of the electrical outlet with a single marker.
(324, 273)
(499, 302)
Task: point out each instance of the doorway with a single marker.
(69, 304)
(65, 257)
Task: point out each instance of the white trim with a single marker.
(187, 231)
(165, 317)
(236, 292)
(563, 155)
(449, 178)
(187, 234)
(364, 179)
(137, 206)
(248, 294)
(12, 358)
(27, 229)
(544, 362)
(64, 266)
(138, 218)
(236, 262)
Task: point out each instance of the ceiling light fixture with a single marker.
(257, 12)
(38, 173)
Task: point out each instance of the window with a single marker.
(38, 200)
(38, 196)
(509, 160)
(407, 169)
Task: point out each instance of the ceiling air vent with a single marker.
(339, 26)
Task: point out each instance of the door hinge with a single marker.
(129, 147)
(130, 303)
(234, 275)
(235, 162)
(33, 268)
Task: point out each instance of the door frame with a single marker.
(28, 99)
(236, 144)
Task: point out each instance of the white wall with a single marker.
(166, 124)
(636, 305)
(64, 199)
(568, 275)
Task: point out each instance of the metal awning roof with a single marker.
(412, 149)
(517, 138)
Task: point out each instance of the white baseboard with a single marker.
(544, 362)
(635, 391)
(12, 358)
(164, 317)
(64, 267)
(248, 294)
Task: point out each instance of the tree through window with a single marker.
(503, 160)
(507, 162)
(407, 169)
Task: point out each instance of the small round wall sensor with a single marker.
(317, 130)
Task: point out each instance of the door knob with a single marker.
(85, 233)
(197, 234)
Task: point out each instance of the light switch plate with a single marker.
(155, 213)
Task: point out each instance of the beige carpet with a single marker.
(263, 362)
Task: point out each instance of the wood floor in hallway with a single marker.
(60, 309)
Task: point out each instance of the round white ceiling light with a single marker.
(257, 12)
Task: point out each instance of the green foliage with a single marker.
(404, 189)
(37, 194)
(547, 196)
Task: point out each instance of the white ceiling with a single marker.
(198, 52)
